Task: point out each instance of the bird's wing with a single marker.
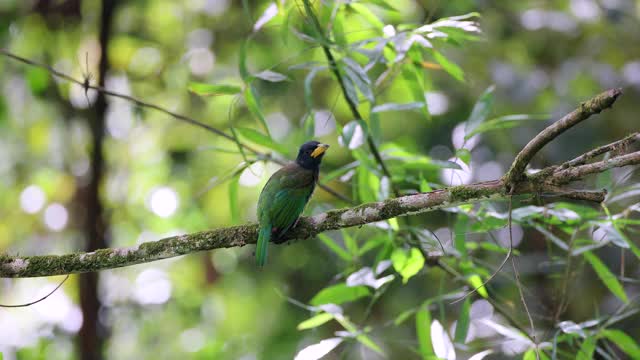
(289, 190)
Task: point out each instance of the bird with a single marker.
(285, 196)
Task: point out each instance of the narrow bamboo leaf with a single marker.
(423, 331)
(448, 66)
(319, 350)
(403, 317)
(269, 13)
(442, 346)
(397, 107)
(271, 76)
(350, 89)
(460, 232)
(586, 349)
(349, 242)
(476, 282)
(366, 341)
(482, 354)
(607, 277)
(359, 78)
(203, 89)
(233, 200)
(260, 139)
(338, 294)
(368, 16)
(375, 128)
(505, 122)
(284, 29)
(383, 4)
(308, 81)
(315, 321)
(481, 110)
(339, 35)
(623, 341)
(253, 104)
(462, 326)
(414, 78)
(242, 62)
(342, 253)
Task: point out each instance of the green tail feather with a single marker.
(264, 236)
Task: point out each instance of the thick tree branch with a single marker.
(175, 115)
(547, 180)
(586, 109)
(308, 227)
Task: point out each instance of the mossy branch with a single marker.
(548, 180)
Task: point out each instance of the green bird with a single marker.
(285, 195)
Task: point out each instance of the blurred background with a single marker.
(159, 177)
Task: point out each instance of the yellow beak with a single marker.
(319, 150)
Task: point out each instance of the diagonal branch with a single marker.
(175, 115)
(586, 109)
(333, 65)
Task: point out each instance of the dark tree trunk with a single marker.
(93, 334)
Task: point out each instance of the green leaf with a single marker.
(359, 77)
(464, 155)
(308, 80)
(366, 341)
(383, 4)
(476, 282)
(203, 89)
(260, 139)
(368, 185)
(623, 341)
(271, 76)
(460, 232)
(338, 294)
(529, 355)
(367, 15)
(233, 200)
(607, 277)
(254, 106)
(462, 326)
(413, 77)
(360, 336)
(342, 253)
(505, 122)
(315, 321)
(242, 62)
(403, 316)
(407, 265)
(397, 107)
(423, 331)
(448, 66)
(480, 111)
(586, 350)
(349, 242)
(38, 79)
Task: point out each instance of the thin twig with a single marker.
(495, 273)
(586, 109)
(577, 172)
(518, 283)
(620, 144)
(39, 300)
(352, 106)
(86, 85)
